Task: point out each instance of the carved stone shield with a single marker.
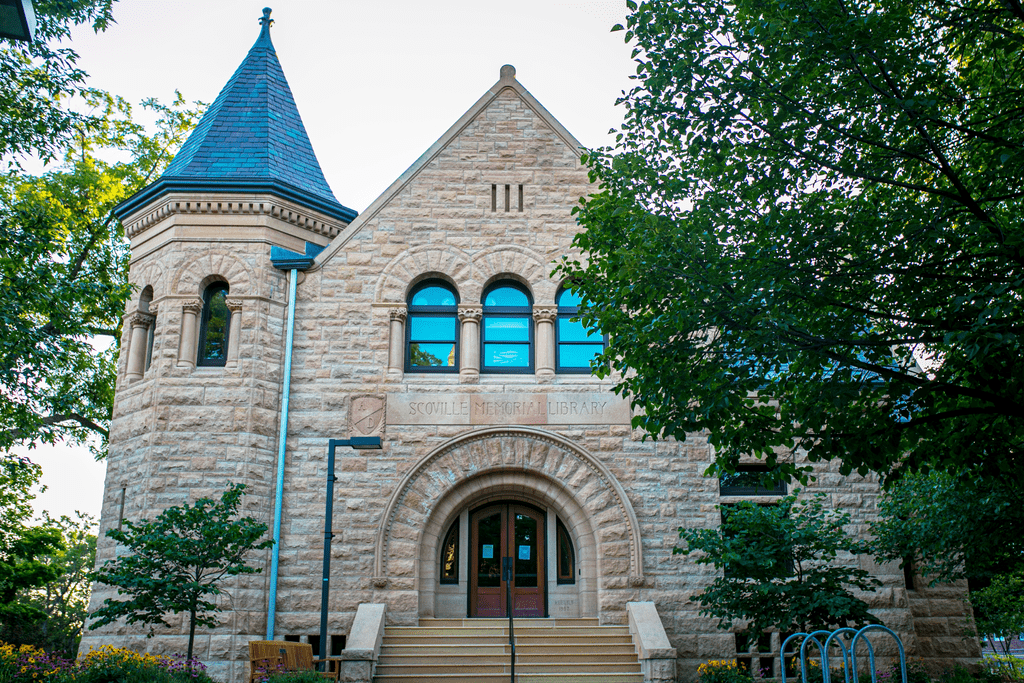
(366, 418)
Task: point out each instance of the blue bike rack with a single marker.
(849, 653)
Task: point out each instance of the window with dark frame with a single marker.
(216, 324)
(432, 329)
(566, 554)
(450, 555)
(506, 330)
(575, 345)
(749, 480)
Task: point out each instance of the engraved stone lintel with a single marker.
(507, 409)
(471, 313)
(193, 306)
(545, 315)
(366, 415)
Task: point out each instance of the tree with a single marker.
(63, 271)
(1000, 609)
(65, 598)
(779, 568)
(176, 561)
(38, 78)
(22, 548)
(952, 527)
(809, 234)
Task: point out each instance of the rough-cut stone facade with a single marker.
(181, 432)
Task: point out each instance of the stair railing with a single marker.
(507, 575)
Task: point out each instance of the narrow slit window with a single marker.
(494, 198)
(566, 555)
(450, 555)
(508, 198)
(520, 198)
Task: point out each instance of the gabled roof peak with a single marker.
(250, 140)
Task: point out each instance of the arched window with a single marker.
(450, 555)
(507, 331)
(433, 329)
(575, 345)
(213, 334)
(566, 554)
(145, 299)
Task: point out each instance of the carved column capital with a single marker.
(234, 305)
(398, 314)
(545, 315)
(153, 308)
(471, 313)
(193, 306)
(140, 319)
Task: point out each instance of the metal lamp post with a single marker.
(358, 443)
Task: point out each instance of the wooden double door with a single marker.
(507, 552)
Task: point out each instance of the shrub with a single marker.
(1003, 668)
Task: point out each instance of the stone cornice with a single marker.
(231, 205)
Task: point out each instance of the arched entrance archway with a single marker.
(495, 464)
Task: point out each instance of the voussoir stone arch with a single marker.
(189, 279)
(527, 461)
(147, 275)
(524, 264)
(409, 267)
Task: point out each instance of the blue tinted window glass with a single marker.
(507, 329)
(431, 355)
(430, 327)
(568, 298)
(506, 296)
(578, 355)
(570, 331)
(433, 296)
(506, 355)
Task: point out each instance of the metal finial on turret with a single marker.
(266, 21)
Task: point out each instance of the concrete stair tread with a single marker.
(477, 651)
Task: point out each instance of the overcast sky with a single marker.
(376, 83)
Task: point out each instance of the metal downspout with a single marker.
(282, 440)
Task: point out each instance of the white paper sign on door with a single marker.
(488, 552)
(524, 552)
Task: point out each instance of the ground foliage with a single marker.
(175, 563)
(806, 197)
(952, 527)
(64, 599)
(784, 567)
(64, 267)
(23, 547)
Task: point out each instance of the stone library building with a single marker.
(424, 349)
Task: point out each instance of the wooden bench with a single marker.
(271, 656)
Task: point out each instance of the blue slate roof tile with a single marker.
(250, 139)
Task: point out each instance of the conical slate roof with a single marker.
(251, 139)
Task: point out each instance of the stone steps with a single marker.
(477, 651)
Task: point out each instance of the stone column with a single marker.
(396, 350)
(187, 344)
(545, 349)
(139, 323)
(469, 362)
(234, 331)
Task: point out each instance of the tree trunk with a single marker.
(191, 636)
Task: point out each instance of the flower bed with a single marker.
(27, 664)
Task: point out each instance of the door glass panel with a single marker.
(525, 550)
(488, 550)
